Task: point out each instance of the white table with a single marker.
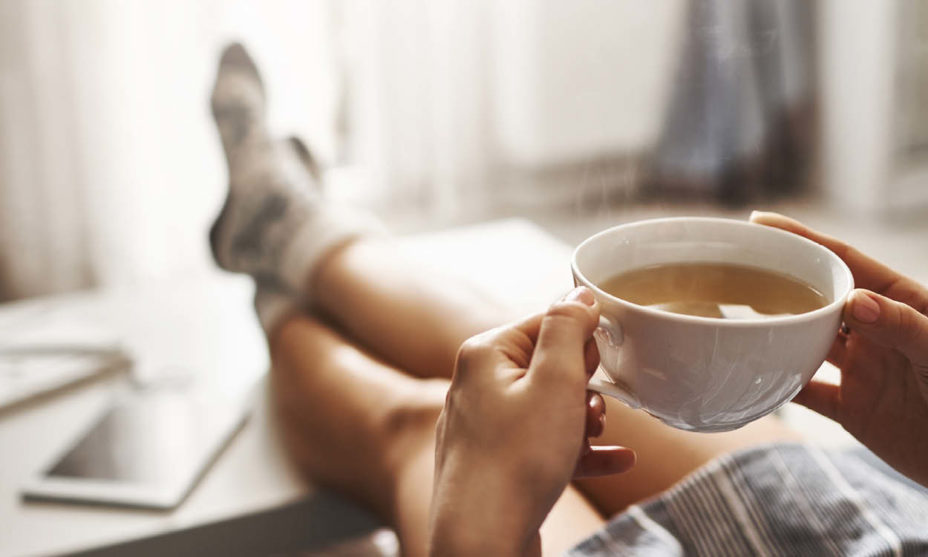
(251, 500)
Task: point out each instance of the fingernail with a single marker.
(864, 308)
(580, 294)
(755, 215)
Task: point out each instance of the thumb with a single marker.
(890, 323)
(560, 351)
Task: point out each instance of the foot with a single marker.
(272, 191)
(238, 100)
(271, 198)
(274, 225)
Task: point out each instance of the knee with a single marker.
(409, 427)
(416, 409)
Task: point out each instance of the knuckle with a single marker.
(846, 251)
(910, 325)
(472, 346)
(912, 334)
(474, 349)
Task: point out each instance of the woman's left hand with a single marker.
(515, 428)
(882, 398)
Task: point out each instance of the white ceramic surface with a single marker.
(699, 373)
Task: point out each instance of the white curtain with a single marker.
(110, 169)
(451, 97)
(415, 86)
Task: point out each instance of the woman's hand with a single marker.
(883, 396)
(514, 430)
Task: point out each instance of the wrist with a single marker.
(460, 538)
(477, 511)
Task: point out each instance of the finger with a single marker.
(505, 346)
(603, 461)
(820, 397)
(559, 354)
(590, 357)
(889, 323)
(838, 351)
(595, 414)
(868, 272)
(530, 325)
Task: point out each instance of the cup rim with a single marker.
(838, 302)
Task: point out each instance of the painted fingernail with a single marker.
(580, 294)
(864, 308)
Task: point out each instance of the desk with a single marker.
(252, 500)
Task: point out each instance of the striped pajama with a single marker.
(779, 499)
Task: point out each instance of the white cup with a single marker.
(702, 373)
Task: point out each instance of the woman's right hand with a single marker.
(883, 396)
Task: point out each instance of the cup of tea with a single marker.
(707, 323)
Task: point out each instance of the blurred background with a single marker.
(432, 113)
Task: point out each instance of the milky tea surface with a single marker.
(717, 290)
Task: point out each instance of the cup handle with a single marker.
(609, 339)
(610, 332)
(605, 387)
(615, 391)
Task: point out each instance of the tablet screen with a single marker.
(154, 440)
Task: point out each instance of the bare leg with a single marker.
(665, 455)
(367, 429)
(418, 322)
(414, 319)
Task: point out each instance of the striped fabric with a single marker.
(782, 499)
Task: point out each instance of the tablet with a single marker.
(146, 451)
(30, 372)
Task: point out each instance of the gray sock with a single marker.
(238, 101)
(274, 225)
(273, 305)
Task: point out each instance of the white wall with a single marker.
(573, 80)
(857, 66)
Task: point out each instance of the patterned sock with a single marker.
(273, 305)
(274, 225)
